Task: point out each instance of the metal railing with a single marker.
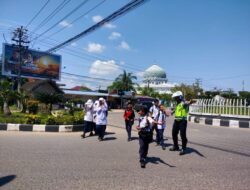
(222, 107)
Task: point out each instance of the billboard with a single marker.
(34, 64)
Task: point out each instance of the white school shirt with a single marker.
(95, 106)
(161, 117)
(89, 110)
(154, 111)
(101, 115)
(143, 122)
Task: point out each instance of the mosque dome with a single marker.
(154, 71)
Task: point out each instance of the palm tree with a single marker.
(6, 94)
(124, 82)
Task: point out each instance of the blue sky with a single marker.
(189, 39)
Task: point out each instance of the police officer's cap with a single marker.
(177, 94)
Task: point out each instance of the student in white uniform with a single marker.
(161, 125)
(154, 110)
(145, 134)
(88, 118)
(101, 118)
(96, 104)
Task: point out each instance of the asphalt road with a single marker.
(218, 158)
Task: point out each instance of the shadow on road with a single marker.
(191, 150)
(109, 138)
(157, 160)
(6, 179)
(134, 138)
(109, 133)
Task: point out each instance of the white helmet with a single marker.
(176, 94)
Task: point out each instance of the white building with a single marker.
(155, 77)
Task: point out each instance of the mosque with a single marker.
(155, 77)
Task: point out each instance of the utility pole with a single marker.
(20, 37)
(243, 85)
(198, 82)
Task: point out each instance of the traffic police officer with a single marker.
(180, 122)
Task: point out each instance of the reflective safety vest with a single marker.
(181, 112)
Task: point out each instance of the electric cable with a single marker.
(46, 3)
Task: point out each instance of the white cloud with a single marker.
(98, 18)
(64, 23)
(124, 45)
(104, 68)
(70, 81)
(122, 62)
(114, 35)
(139, 74)
(109, 25)
(73, 44)
(95, 48)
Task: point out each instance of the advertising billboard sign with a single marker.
(34, 64)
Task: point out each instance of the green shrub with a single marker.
(58, 113)
(50, 120)
(33, 119)
(32, 106)
(65, 120)
(78, 117)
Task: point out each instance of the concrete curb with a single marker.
(231, 123)
(40, 128)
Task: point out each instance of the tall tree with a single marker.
(49, 99)
(189, 91)
(124, 81)
(145, 91)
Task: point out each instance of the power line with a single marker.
(84, 76)
(52, 14)
(78, 53)
(37, 14)
(78, 18)
(228, 77)
(115, 15)
(66, 16)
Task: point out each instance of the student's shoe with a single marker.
(83, 135)
(174, 149)
(163, 148)
(182, 152)
(91, 134)
(143, 163)
(100, 138)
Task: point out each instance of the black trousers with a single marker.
(88, 126)
(143, 150)
(182, 127)
(128, 125)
